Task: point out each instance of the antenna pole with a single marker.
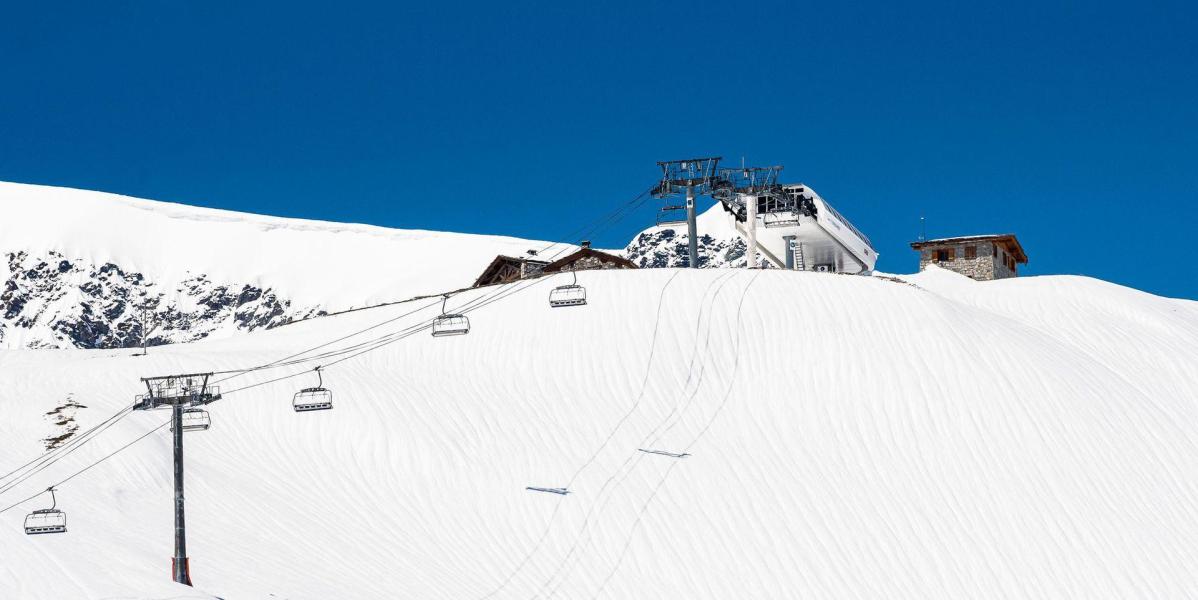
(751, 223)
(179, 567)
(692, 228)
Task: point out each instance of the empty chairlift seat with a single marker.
(195, 419)
(671, 214)
(781, 219)
(46, 520)
(313, 398)
(568, 295)
(450, 324)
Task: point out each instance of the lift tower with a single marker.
(694, 176)
(744, 192)
(177, 392)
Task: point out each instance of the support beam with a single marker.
(769, 256)
(692, 228)
(179, 567)
(751, 225)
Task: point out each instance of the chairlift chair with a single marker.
(195, 419)
(568, 295)
(46, 520)
(450, 324)
(313, 398)
(671, 214)
(781, 219)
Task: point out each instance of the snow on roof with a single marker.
(1020, 255)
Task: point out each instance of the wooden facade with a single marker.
(509, 268)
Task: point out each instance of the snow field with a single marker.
(851, 437)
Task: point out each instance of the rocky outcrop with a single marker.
(51, 300)
(659, 247)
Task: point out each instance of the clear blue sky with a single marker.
(1072, 125)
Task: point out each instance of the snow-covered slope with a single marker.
(75, 265)
(850, 437)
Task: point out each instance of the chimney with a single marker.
(585, 244)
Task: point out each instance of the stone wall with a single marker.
(593, 262)
(985, 266)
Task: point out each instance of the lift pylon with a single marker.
(692, 176)
(178, 393)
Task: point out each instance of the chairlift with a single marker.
(195, 419)
(568, 295)
(671, 214)
(664, 453)
(313, 398)
(781, 219)
(558, 491)
(450, 324)
(46, 520)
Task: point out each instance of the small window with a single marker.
(971, 252)
(943, 256)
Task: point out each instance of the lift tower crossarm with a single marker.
(694, 176)
(176, 392)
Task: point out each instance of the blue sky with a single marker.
(1073, 125)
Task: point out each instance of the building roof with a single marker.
(498, 263)
(1008, 239)
(588, 252)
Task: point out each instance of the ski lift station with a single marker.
(797, 229)
(790, 225)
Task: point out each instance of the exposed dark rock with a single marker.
(66, 302)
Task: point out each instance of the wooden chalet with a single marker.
(509, 268)
(587, 258)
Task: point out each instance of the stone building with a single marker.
(588, 258)
(508, 268)
(980, 257)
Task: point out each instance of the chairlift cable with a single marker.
(92, 433)
(88, 467)
(328, 343)
(611, 218)
(63, 447)
(46, 461)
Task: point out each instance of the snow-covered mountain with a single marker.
(666, 245)
(83, 269)
(77, 268)
(923, 436)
